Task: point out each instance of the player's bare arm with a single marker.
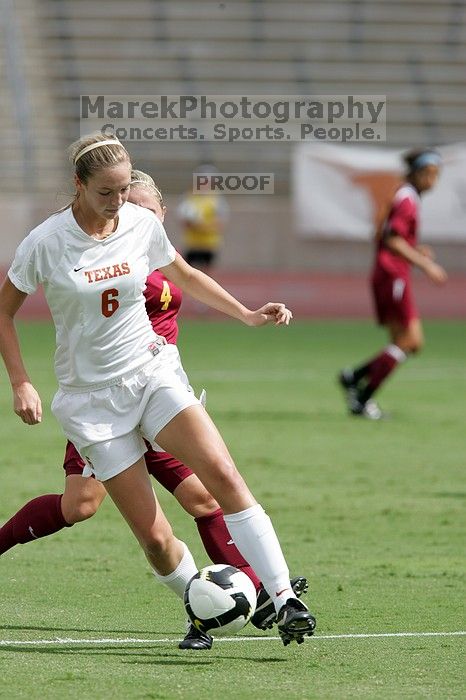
(398, 245)
(208, 291)
(426, 250)
(26, 400)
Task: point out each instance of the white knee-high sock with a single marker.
(397, 353)
(178, 579)
(252, 532)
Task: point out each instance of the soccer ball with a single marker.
(220, 599)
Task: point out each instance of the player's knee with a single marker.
(193, 496)
(83, 510)
(229, 484)
(225, 472)
(208, 504)
(204, 505)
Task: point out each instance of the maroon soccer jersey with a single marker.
(402, 220)
(163, 301)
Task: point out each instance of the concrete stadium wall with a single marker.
(260, 235)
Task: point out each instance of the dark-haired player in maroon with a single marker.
(82, 497)
(397, 250)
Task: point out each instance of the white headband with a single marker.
(149, 185)
(97, 144)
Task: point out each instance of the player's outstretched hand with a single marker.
(27, 403)
(272, 312)
(436, 273)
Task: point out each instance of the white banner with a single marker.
(344, 191)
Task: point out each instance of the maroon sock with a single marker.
(40, 517)
(379, 369)
(215, 537)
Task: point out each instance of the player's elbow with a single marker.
(392, 242)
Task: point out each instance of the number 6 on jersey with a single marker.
(109, 302)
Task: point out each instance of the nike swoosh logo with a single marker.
(76, 269)
(280, 592)
(230, 542)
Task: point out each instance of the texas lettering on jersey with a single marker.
(107, 273)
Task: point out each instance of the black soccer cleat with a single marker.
(370, 409)
(350, 387)
(195, 639)
(265, 615)
(295, 622)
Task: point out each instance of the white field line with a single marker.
(134, 640)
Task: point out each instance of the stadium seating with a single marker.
(411, 50)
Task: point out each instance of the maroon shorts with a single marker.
(393, 298)
(73, 462)
(168, 471)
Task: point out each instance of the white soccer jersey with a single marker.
(95, 292)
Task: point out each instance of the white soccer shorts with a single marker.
(107, 426)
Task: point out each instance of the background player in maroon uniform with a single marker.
(397, 250)
(82, 497)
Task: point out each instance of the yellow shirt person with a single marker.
(203, 216)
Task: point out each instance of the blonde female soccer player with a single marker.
(50, 513)
(119, 382)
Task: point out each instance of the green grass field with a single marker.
(372, 513)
